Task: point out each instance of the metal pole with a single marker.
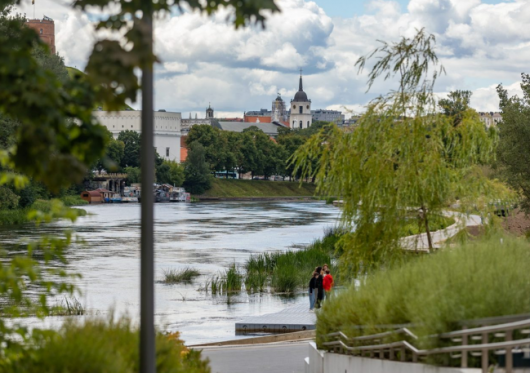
(147, 298)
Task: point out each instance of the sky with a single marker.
(481, 43)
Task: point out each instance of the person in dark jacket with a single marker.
(320, 287)
(313, 290)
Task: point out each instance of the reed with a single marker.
(232, 280)
(68, 307)
(184, 275)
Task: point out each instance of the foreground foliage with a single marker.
(479, 279)
(98, 346)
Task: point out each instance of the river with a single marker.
(208, 236)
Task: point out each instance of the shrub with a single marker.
(477, 279)
(8, 199)
(99, 346)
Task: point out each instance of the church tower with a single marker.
(209, 112)
(300, 109)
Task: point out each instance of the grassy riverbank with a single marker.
(21, 216)
(228, 188)
(479, 279)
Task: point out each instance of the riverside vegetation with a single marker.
(49, 137)
(477, 279)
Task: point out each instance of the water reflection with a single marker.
(206, 236)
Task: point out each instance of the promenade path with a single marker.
(283, 357)
(291, 319)
(419, 242)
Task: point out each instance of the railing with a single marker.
(377, 348)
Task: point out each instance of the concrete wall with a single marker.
(325, 362)
(167, 128)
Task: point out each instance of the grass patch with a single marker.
(226, 188)
(73, 201)
(175, 276)
(483, 278)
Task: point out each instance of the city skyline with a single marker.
(204, 60)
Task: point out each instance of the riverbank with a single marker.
(22, 216)
(257, 190)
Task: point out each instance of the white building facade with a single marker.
(301, 116)
(167, 128)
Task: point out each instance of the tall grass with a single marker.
(184, 275)
(232, 280)
(478, 279)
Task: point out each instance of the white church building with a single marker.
(167, 128)
(301, 116)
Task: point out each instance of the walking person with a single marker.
(327, 284)
(313, 290)
(320, 287)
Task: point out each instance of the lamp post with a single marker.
(147, 290)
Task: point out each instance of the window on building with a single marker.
(301, 124)
(167, 152)
(294, 123)
(308, 106)
(307, 124)
(294, 106)
(301, 109)
(41, 31)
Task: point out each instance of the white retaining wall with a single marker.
(326, 362)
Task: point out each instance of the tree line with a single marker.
(250, 151)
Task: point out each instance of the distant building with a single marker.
(270, 129)
(188, 123)
(327, 115)
(300, 109)
(45, 27)
(490, 119)
(167, 128)
(261, 116)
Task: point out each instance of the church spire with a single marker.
(300, 88)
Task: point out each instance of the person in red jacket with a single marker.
(327, 283)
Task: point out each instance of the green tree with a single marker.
(456, 104)
(114, 153)
(514, 144)
(395, 165)
(131, 150)
(133, 175)
(196, 170)
(170, 172)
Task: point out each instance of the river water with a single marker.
(208, 236)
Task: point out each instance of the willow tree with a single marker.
(403, 159)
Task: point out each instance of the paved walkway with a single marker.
(269, 358)
(292, 319)
(419, 242)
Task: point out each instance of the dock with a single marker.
(293, 319)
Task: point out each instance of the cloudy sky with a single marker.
(481, 43)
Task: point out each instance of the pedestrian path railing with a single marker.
(501, 336)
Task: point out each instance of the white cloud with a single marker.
(205, 60)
